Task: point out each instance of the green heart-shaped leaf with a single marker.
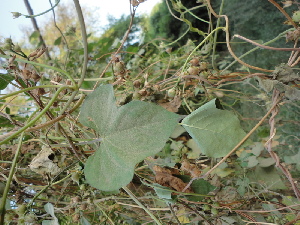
(215, 131)
(129, 133)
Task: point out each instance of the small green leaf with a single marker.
(4, 80)
(7, 110)
(57, 41)
(34, 35)
(199, 186)
(268, 177)
(215, 131)
(129, 134)
(164, 193)
(50, 210)
(84, 221)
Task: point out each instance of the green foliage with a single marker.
(215, 131)
(129, 134)
(50, 210)
(121, 135)
(5, 79)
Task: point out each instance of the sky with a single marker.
(10, 27)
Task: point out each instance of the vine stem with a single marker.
(236, 147)
(134, 198)
(31, 88)
(32, 16)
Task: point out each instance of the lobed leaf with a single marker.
(215, 131)
(129, 133)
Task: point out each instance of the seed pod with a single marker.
(68, 82)
(57, 78)
(39, 91)
(169, 50)
(143, 92)
(171, 93)
(120, 68)
(219, 94)
(76, 218)
(35, 77)
(26, 74)
(193, 70)
(203, 66)
(136, 96)
(137, 83)
(34, 53)
(41, 52)
(194, 62)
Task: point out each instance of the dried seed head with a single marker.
(34, 53)
(143, 92)
(35, 76)
(41, 52)
(26, 74)
(84, 206)
(75, 199)
(68, 82)
(137, 83)
(171, 93)
(169, 50)
(120, 68)
(76, 218)
(292, 35)
(57, 78)
(40, 91)
(193, 70)
(203, 66)
(55, 104)
(194, 62)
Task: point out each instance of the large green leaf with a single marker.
(215, 131)
(129, 134)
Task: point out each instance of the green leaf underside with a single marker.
(129, 133)
(215, 131)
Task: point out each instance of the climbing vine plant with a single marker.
(155, 133)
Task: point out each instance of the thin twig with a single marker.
(134, 198)
(265, 46)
